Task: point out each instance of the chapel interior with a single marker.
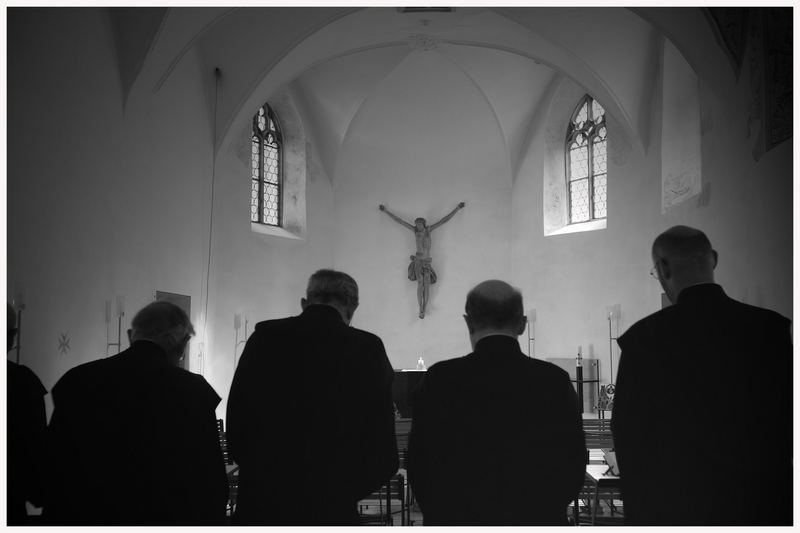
(130, 169)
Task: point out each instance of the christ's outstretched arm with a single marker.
(447, 216)
(397, 218)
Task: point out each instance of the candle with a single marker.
(120, 306)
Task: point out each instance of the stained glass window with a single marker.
(586, 162)
(266, 171)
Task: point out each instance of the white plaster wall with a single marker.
(101, 201)
(420, 149)
(746, 212)
(258, 276)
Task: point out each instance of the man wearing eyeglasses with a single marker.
(702, 417)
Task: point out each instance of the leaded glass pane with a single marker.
(579, 163)
(254, 201)
(600, 196)
(270, 164)
(271, 204)
(262, 120)
(254, 159)
(583, 114)
(599, 157)
(601, 132)
(597, 111)
(579, 200)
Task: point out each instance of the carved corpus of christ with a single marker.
(420, 268)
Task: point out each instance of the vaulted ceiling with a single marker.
(337, 59)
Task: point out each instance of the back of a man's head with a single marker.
(163, 323)
(687, 248)
(328, 286)
(683, 257)
(494, 304)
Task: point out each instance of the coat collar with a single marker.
(149, 350)
(494, 345)
(700, 292)
(322, 312)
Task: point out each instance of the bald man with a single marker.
(496, 437)
(702, 417)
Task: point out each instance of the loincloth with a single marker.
(419, 266)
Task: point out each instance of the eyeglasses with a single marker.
(654, 273)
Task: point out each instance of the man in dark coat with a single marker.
(496, 437)
(310, 414)
(702, 417)
(133, 436)
(27, 423)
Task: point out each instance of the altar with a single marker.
(403, 387)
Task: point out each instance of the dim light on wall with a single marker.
(613, 313)
(120, 312)
(531, 315)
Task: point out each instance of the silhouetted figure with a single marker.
(702, 417)
(133, 436)
(26, 427)
(310, 414)
(496, 437)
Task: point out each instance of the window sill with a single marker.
(275, 231)
(582, 226)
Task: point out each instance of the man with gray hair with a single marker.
(310, 413)
(133, 436)
(496, 437)
(702, 417)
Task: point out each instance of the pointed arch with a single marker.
(266, 205)
(586, 162)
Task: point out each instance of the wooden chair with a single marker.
(597, 433)
(231, 469)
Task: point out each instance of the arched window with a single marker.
(267, 173)
(586, 162)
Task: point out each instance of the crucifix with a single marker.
(420, 268)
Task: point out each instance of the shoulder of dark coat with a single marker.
(275, 323)
(80, 374)
(24, 378)
(538, 365)
(366, 336)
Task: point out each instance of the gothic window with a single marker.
(586, 162)
(266, 170)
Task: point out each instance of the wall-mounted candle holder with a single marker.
(531, 333)
(237, 325)
(18, 303)
(613, 314)
(119, 313)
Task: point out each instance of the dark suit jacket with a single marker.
(702, 416)
(310, 420)
(133, 440)
(27, 423)
(496, 439)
